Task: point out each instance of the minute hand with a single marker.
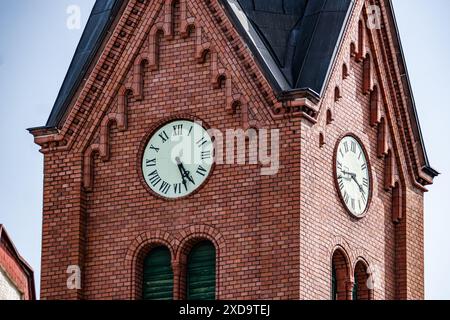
(359, 186)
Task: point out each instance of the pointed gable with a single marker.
(299, 38)
(294, 42)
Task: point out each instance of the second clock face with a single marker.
(352, 174)
(178, 159)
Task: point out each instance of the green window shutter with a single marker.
(355, 289)
(158, 275)
(201, 272)
(333, 283)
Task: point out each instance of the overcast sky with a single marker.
(36, 48)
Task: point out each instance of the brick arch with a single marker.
(363, 279)
(342, 255)
(138, 74)
(109, 120)
(136, 253)
(337, 93)
(120, 118)
(345, 71)
(330, 116)
(361, 40)
(353, 50)
(340, 264)
(339, 242)
(189, 238)
(367, 74)
(374, 111)
(88, 165)
(156, 31)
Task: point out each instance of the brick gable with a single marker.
(274, 235)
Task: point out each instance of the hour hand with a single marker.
(184, 173)
(180, 168)
(352, 175)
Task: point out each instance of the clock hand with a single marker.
(180, 168)
(184, 172)
(188, 175)
(359, 186)
(353, 175)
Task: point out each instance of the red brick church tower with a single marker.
(333, 211)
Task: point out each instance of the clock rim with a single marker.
(144, 142)
(336, 183)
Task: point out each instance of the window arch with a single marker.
(361, 290)
(201, 272)
(340, 278)
(158, 275)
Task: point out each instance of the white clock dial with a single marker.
(178, 159)
(352, 175)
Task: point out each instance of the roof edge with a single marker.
(57, 114)
(402, 61)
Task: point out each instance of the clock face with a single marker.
(178, 159)
(352, 174)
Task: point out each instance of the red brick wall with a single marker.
(274, 235)
(393, 250)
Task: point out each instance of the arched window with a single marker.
(361, 290)
(158, 275)
(333, 283)
(355, 288)
(340, 277)
(201, 272)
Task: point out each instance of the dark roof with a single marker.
(4, 237)
(301, 35)
(101, 17)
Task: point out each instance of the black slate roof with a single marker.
(302, 36)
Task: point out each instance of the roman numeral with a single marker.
(365, 182)
(201, 171)
(190, 131)
(341, 183)
(340, 151)
(360, 155)
(165, 187)
(364, 167)
(202, 142)
(177, 188)
(339, 166)
(359, 204)
(206, 155)
(353, 203)
(151, 163)
(346, 197)
(164, 137)
(346, 146)
(353, 147)
(154, 148)
(364, 198)
(178, 130)
(154, 178)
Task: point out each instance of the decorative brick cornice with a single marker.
(150, 55)
(89, 93)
